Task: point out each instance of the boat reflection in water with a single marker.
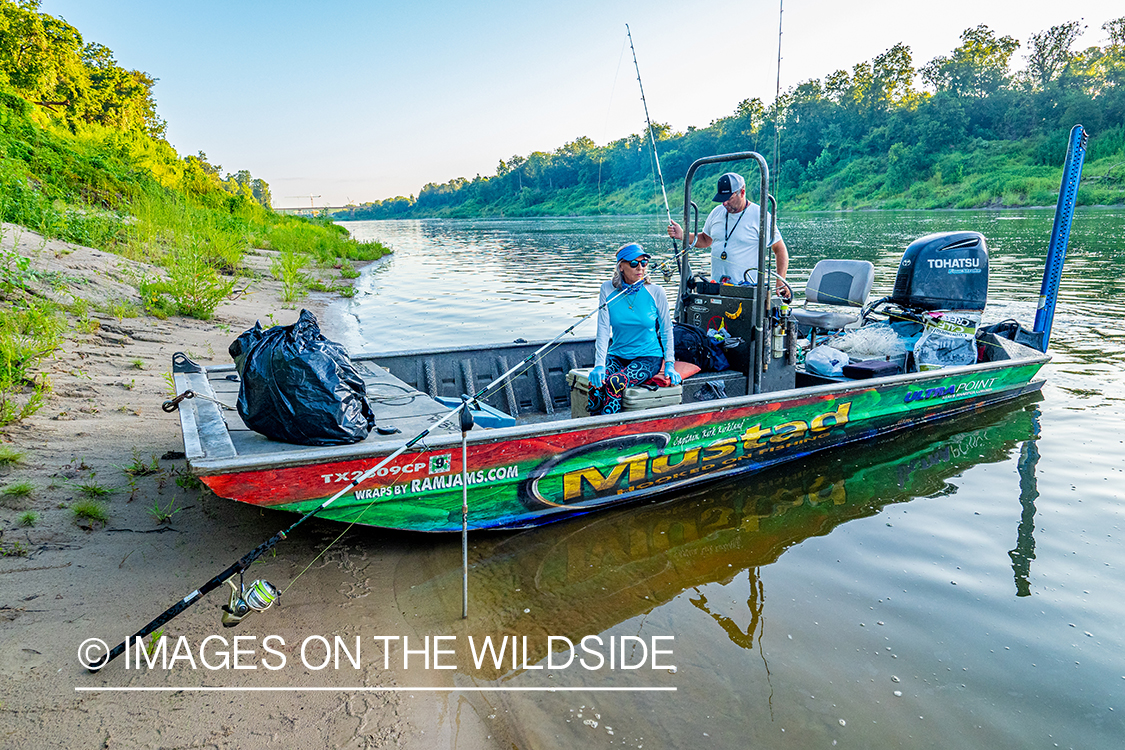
(1024, 552)
(589, 574)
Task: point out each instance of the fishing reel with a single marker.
(259, 597)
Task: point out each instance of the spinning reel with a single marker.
(259, 597)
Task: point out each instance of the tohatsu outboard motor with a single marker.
(944, 271)
(942, 283)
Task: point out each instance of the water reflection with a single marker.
(1024, 552)
(587, 575)
(743, 637)
(701, 566)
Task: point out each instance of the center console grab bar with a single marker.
(758, 345)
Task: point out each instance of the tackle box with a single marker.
(636, 397)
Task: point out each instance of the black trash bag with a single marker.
(695, 346)
(299, 387)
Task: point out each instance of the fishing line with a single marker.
(625, 289)
(261, 594)
(651, 136)
(528, 363)
(777, 105)
(325, 550)
(608, 112)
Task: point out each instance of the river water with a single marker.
(961, 586)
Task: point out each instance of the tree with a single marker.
(1049, 53)
(39, 55)
(978, 68)
(838, 87)
(44, 60)
(115, 97)
(892, 82)
(1116, 31)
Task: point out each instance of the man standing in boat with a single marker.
(731, 231)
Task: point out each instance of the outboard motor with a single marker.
(944, 271)
(943, 280)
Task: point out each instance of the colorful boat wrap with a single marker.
(528, 476)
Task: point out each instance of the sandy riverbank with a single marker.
(103, 415)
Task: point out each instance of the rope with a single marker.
(408, 396)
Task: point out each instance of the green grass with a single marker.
(163, 515)
(18, 490)
(189, 481)
(121, 309)
(138, 467)
(30, 330)
(9, 456)
(288, 268)
(87, 325)
(132, 194)
(347, 270)
(154, 641)
(30, 518)
(192, 288)
(15, 549)
(93, 490)
(91, 510)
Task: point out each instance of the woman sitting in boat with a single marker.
(634, 333)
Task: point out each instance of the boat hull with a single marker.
(530, 475)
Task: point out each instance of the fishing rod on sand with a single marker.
(261, 594)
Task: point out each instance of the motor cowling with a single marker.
(944, 271)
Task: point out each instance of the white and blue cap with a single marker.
(729, 184)
(631, 252)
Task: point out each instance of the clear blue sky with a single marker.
(368, 100)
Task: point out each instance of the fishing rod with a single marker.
(777, 106)
(261, 594)
(651, 136)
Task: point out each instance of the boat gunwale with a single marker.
(203, 466)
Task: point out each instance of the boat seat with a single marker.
(841, 283)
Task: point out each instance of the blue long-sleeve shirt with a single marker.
(645, 330)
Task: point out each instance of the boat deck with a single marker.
(396, 405)
(406, 391)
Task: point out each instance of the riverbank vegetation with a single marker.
(965, 130)
(83, 159)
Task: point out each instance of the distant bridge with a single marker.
(310, 210)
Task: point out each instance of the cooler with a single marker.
(636, 397)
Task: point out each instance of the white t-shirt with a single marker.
(734, 242)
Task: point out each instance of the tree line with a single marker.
(53, 76)
(966, 129)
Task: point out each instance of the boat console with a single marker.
(711, 306)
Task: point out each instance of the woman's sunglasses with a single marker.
(641, 262)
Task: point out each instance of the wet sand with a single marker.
(65, 581)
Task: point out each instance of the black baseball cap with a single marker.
(729, 184)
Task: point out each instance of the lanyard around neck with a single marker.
(727, 233)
